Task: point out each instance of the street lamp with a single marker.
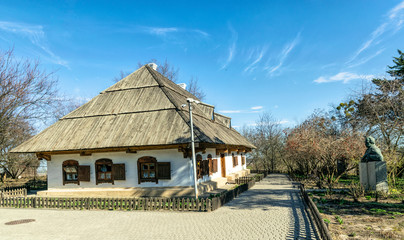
(190, 101)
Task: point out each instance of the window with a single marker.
(235, 160)
(149, 170)
(74, 173)
(242, 160)
(70, 172)
(199, 167)
(103, 168)
(210, 164)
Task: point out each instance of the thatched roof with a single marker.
(143, 109)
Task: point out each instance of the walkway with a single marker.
(272, 209)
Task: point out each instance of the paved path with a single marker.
(272, 209)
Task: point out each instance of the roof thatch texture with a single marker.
(143, 109)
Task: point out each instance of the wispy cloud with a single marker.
(35, 34)
(284, 54)
(344, 77)
(284, 121)
(230, 111)
(392, 24)
(160, 31)
(231, 48)
(259, 55)
(365, 59)
(257, 107)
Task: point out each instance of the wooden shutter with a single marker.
(118, 171)
(214, 163)
(84, 173)
(206, 167)
(210, 167)
(164, 170)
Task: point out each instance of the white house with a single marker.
(133, 139)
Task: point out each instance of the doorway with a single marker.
(223, 164)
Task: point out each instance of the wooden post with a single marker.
(209, 205)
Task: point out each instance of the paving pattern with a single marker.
(272, 209)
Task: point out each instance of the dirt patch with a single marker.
(365, 219)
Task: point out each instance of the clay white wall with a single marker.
(181, 168)
(181, 174)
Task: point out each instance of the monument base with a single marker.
(373, 176)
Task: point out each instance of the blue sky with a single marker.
(284, 57)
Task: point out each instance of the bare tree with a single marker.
(268, 137)
(194, 88)
(27, 94)
(322, 150)
(121, 76)
(165, 68)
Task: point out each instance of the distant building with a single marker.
(133, 139)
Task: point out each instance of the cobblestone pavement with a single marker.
(272, 209)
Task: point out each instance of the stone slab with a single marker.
(373, 176)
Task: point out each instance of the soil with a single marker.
(364, 219)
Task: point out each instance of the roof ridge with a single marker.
(199, 133)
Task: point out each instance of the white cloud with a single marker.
(230, 111)
(276, 106)
(396, 10)
(232, 47)
(259, 57)
(160, 30)
(391, 25)
(365, 59)
(285, 53)
(35, 34)
(344, 77)
(257, 107)
(285, 121)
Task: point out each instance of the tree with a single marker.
(165, 68)
(379, 111)
(267, 136)
(27, 94)
(194, 88)
(323, 150)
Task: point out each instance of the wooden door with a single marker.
(223, 164)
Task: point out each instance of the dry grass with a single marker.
(366, 219)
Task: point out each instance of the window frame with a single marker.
(70, 163)
(147, 160)
(199, 166)
(235, 159)
(99, 163)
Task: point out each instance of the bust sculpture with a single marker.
(373, 153)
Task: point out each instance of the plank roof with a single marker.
(142, 109)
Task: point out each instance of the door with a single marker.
(223, 165)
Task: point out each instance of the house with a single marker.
(133, 139)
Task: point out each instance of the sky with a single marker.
(287, 58)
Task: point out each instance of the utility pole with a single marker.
(190, 101)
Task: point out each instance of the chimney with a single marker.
(183, 85)
(152, 65)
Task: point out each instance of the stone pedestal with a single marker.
(373, 176)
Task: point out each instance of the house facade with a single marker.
(133, 139)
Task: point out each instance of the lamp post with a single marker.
(190, 101)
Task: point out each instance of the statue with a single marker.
(372, 168)
(373, 153)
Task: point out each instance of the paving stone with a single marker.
(272, 209)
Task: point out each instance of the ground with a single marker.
(365, 219)
(272, 209)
